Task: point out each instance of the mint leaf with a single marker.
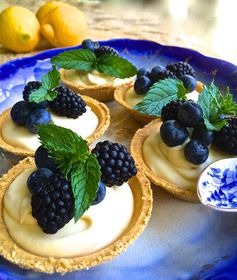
(160, 94)
(86, 60)
(215, 104)
(71, 154)
(76, 59)
(115, 66)
(46, 91)
(84, 179)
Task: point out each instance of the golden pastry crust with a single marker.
(100, 109)
(119, 96)
(136, 150)
(100, 92)
(142, 194)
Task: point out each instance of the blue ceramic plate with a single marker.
(183, 240)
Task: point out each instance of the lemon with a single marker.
(62, 24)
(19, 29)
(47, 7)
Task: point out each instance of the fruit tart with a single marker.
(173, 152)
(49, 102)
(132, 95)
(94, 70)
(73, 209)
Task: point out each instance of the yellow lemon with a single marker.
(19, 29)
(63, 25)
(47, 7)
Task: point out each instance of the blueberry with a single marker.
(143, 72)
(90, 45)
(189, 82)
(100, 195)
(201, 133)
(38, 116)
(190, 114)
(173, 133)
(142, 85)
(42, 159)
(38, 179)
(20, 112)
(196, 152)
(155, 72)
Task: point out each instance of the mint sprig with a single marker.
(86, 60)
(47, 89)
(71, 154)
(160, 94)
(215, 106)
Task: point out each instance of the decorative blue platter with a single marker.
(183, 240)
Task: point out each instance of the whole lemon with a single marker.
(47, 7)
(19, 29)
(62, 25)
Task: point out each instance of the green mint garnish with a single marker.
(47, 89)
(86, 60)
(71, 154)
(160, 94)
(215, 104)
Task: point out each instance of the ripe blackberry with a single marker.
(117, 165)
(226, 138)
(181, 68)
(53, 204)
(156, 76)
(106, 50)
(67, 103)
(30, 86)
(170, 110)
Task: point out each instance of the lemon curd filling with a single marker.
(20, 137)
(99, 226)
(170, 164)
(132, 98)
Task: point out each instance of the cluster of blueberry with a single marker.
(181, 70)
(95, 47)
(177, 117)
(30, 114)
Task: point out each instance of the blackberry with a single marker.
(226, 138)
(67, 103)
(30, 86)
(181, 68)
(156, 76)
(170, 110)
(106, 50)
(53, 204)
(117, 165)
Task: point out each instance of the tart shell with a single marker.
(142, 194)
(100, 92)
(100, 109)
(136, 150)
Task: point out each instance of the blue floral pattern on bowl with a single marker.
(217, 185)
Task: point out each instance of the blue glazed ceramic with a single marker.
(183, 240)
(217, 185)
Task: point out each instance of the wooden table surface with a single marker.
(198, 24)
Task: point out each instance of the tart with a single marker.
(99, 109)
(14, 188)
(106, 71)
(131, 94)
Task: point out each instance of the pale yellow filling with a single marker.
(170, 164)
(100, 225)
(132, 99)
(20, 137)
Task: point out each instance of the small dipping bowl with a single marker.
(217, 185)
